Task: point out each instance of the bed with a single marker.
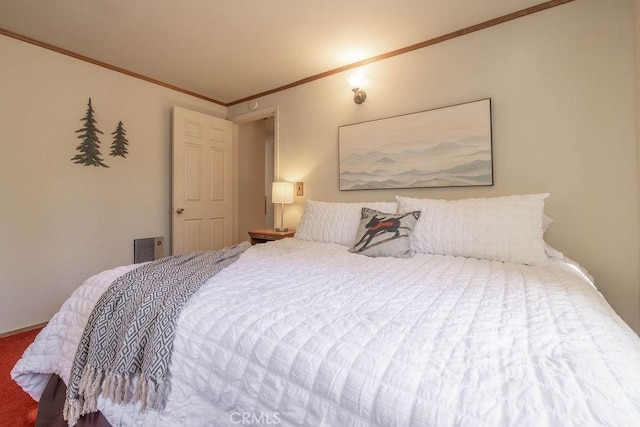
(467, 318)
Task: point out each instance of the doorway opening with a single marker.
(256, 137)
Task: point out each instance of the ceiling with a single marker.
(231, 50)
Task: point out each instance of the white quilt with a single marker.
(303, 333)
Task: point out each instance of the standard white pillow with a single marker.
(505, 229)
(334, 222)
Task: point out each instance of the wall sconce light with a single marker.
(282, 193)
(359, 95)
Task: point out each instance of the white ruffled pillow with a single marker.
(505, 229)
(335, 222)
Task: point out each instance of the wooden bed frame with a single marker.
(51, 406)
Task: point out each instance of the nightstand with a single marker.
(267, 235)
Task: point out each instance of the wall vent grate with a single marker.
(148, 249)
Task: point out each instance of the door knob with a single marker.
(179, 211)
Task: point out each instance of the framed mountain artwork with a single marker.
(444, 147)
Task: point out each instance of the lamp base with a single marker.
(281, 230)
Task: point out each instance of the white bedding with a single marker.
(304, 333)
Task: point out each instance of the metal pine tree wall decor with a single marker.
(89, 148)
(120, 142)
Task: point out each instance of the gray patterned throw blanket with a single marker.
(129, 335)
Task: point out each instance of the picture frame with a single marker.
(444, 147)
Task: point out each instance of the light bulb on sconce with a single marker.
(356, 81)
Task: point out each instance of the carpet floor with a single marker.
(17, 408)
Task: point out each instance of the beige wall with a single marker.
(637, 56)
(61, 222)
(562, 88)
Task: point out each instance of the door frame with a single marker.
(269, 112)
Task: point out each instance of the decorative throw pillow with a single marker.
(384, 234)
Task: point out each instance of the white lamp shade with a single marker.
(282, 192)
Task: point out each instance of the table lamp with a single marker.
(282, 192)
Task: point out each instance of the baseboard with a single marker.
(21, 330)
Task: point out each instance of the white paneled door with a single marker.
(202, 212)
